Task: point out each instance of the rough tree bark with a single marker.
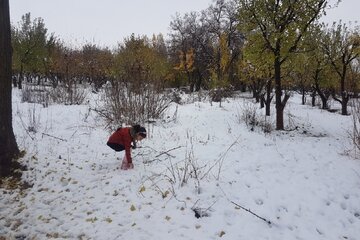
(8, 145)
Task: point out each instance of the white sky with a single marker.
(107, 22)
(104, 22)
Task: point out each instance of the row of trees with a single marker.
(287, 48)
(203, 52)
(262, 45)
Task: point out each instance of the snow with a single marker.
(305, 181)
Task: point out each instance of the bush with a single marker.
(249, 114)
(35, 94)
(123, 105)
(216, 95)
(68, 95)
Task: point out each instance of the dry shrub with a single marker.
(62, 94)
(125, 105)
(218, 94)
(68, 94)
(253, 119)
(35, 94)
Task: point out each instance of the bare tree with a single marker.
(8, 145)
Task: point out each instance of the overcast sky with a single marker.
(107, 22)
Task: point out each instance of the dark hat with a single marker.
(142, 132)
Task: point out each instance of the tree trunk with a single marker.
(14, 80)
(21, 77)
(344, 95)
(278, 94)
(303, 97)
(323, 96)
(262, 100)
(313, 98)
(268, 97)
(344, 102)
(8, 145)
(198, 81)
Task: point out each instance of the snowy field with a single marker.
(200, 158)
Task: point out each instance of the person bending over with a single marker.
(122, 139)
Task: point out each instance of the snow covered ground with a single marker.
(201, 158)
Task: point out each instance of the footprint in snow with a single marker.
(259, 201)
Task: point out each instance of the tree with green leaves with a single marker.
(317, 66)
(30, 43)
(341, 46)
(138, 62)
(8, 146)
(257, 64)
(281, 24)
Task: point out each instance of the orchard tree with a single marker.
(96, 65)
(8, 146)
(257, 66)
(281, 24)
(215, 42)
(317, 65)
(30, 41)
(137, 63)
(221, 21)
(341, 46)
(190, 50)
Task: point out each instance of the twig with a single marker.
(201, 212)
(167, 152)
(54, 137)
(23, 124)
(162, 153)
(220, 160)
(248, 210)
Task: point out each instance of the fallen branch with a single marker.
(243, 208)
(248, 210)
(167, 152)
(162, 153)
(45, 134)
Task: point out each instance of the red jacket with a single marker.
(123, 137)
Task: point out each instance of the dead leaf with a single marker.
(132, 208)
(142, 189)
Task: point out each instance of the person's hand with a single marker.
(130, 166)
